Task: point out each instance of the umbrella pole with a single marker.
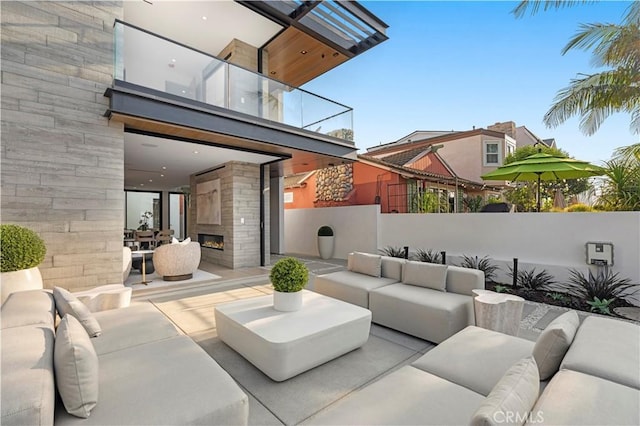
(539, 193)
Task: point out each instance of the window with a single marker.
(510, 149)
(491, 153)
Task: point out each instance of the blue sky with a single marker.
(453, 65)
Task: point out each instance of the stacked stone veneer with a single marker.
(62, 161)
(333, 185)
(240, 198)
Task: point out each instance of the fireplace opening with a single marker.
(211, 241)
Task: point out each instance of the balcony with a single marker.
(170, 70)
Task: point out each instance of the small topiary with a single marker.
(325, 231)
(289, 275)
(21, 248)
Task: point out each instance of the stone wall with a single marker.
(62, 161)
(240, 215)
(334, 183)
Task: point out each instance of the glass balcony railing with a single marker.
(154, 62)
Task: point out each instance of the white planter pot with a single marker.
(325, 247)
(287, 302)
(25, 279)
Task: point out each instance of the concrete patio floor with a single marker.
(191, 308)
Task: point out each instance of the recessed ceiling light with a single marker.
(164, 167)
(184, 91)
(204, 18)
(150, 180)
(173, 60)
(161, 175)
(142, 184)
(304, 52)
(196, 152)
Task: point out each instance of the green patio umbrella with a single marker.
(543, 166)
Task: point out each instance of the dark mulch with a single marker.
(567, 301)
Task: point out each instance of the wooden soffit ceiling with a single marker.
(295, 57)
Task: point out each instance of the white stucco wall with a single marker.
(355, 229)
(554, 242)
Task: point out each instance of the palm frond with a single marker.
(629, 152)
(612, 45)
(595, 97)
(534, 5)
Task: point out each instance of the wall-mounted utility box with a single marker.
(600, 254)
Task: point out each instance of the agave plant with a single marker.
(605, 285)
(600, 306)
(428, 256)
(483, 264)
(393, 251)
(532, 280)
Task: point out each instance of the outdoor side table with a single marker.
(498, 311)
(285, 344)
(141, 253)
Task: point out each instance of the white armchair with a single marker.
(177, 262)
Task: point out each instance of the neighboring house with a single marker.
(469, 154)
(412, 185)
(110, 109)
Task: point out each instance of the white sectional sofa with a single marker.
(426, 300)
(146, 371)
(482, 377)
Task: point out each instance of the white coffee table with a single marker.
(285, 344)
(498, 311)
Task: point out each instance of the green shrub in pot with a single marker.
(325, 231)
(289, 275)
(21, 248)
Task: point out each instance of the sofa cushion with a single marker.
(475, 358)
(76, 366)
(67, 303)
(365, 263)
(29, 308)
(351, 287)
(27, 387)
(464, 280)
(391, 267)
(424, 274)
(607, 348)
(167, 382)
(132, 326)
(511, 400)
(407, 396)
(553, 343)
(422, 312)
(574, 398)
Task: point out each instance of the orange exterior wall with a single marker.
(364, 182)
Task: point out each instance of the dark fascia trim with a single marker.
(222, 121)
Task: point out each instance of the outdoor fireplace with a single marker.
(211, 241)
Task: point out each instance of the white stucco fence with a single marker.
(551, 241)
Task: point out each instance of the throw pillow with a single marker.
(512, 398)
(186, 241)
(553, 343)
(174, 240)
(429, 275)
(365, 263)
(76, 367)
(67, 303)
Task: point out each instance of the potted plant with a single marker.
(325, 242)
(288, 277)
(144, 221)
(22, 251)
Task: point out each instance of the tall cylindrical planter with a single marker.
(22, 280)
(287, 302)
(325, 247)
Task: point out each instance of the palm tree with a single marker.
(594, 97)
